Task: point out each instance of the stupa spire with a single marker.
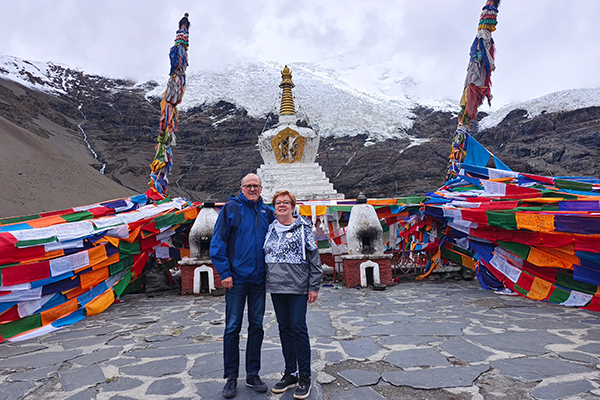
(287, 99)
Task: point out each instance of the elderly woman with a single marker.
(294, 275)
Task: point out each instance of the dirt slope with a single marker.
(36, 175)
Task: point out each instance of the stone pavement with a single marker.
(416, 340)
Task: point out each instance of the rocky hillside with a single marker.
(554, 144)
(216, 144)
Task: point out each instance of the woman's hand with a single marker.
(312, 296)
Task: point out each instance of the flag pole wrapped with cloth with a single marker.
(163, 160)
(477, 85)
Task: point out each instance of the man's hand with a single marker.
(312, 296)
(228, 283)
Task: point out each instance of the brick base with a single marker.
(327, 258)
(352, 270)
(187, 277)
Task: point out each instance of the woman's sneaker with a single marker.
(303, 389)
(288, 381)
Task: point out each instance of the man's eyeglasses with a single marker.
(285, 202)
(252, 186)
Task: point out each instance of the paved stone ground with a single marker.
(417, 340)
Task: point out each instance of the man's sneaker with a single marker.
(303, 389)
(230, 388)
(287, 382)
(256, 383)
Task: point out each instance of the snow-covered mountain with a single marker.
(368, 99)
(379, 134)
(50, 77)
(44, 76)
(333, 106)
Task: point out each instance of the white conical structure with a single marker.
(289, 153)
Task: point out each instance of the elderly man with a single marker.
(236, 251)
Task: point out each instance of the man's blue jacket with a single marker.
(236, 248)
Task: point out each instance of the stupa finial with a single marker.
(287, 99)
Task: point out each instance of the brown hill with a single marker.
(48, 172)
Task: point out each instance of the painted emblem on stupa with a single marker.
(288, 146)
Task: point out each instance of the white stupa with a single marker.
(289, 151)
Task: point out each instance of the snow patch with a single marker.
(564, 100)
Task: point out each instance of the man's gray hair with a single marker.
(259, 180)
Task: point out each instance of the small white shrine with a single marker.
(366, 264)
(289, 151)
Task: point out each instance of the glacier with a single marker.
(369, 99)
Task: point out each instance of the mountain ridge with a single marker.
(217, 139)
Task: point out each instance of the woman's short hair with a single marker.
(285, 193)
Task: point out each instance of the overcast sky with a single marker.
(542, 45)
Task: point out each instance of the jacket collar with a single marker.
(300, 220)
(242, 199)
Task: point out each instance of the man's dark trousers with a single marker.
(235, 300)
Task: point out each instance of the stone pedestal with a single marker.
(193, 272)
(358, 269)
(306, 180)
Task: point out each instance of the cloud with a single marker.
(543, 45)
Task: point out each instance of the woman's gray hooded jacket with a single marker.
(292, 259)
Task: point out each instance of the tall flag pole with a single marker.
(477, 85)
(163, 160)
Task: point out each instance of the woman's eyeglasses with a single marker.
(285, 202)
